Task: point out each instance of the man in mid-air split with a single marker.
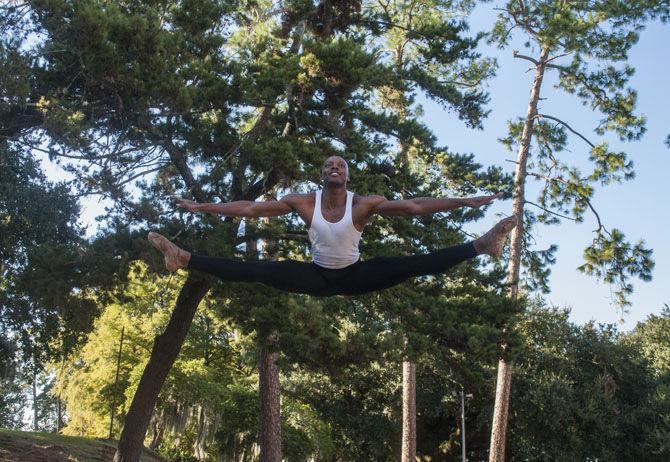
(335, 218)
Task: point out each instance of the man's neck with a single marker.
(335, 195)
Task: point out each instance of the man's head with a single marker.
(335, 171)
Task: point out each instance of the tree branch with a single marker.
(516, 54)
(525, 22)
(138, 175)
(545, 116)
(550, 211)
(584, 198)
(177, 158)
(464, 84)
(547, 61)
(600, 223)
(262, 185)
(272, 177)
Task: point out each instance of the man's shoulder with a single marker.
(371, 200)
(298, 198)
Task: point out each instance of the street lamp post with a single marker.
(463, 398)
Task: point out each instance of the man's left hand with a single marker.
(476, 202)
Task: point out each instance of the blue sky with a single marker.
(639, 207)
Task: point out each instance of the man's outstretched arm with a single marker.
(238, 208)
(429, 205)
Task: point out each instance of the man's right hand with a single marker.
(191, 206)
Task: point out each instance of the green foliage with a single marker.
(239, 100)
(178, 454)
(450, 332)
(209, 404)
(87, 379)
(46, 402)
(40, 246)
(226, 101)
(12, 387)
(581, 388)
(614, 260)
(653, 337)
(582, 393)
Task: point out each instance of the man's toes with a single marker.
(155, 240)
(159, 241)
(508, 224)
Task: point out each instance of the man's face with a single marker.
(335, 171)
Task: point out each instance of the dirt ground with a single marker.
(44, 447)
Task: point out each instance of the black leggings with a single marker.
(309, 278)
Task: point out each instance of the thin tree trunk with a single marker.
(158, 430)
(35, 419)
(270, 417)
(408, 411)
(163, 354)
(59, 401)
(199, 444)
(504, 384)
(59, 423)
(112, 409)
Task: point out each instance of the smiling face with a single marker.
(335, 171)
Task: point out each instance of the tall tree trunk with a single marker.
(163, 354)
(504, 384)
(408, 411)
(270, 417)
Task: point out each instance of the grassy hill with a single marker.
(16, 446)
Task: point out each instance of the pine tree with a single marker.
(587, 43)
(229, 101)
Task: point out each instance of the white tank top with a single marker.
(334, 245)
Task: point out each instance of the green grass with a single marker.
(52, 438)
(20, 446)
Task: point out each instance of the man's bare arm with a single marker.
(238, 208)
(429, 205)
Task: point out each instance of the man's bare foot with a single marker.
(175, 257)
(493, 241)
